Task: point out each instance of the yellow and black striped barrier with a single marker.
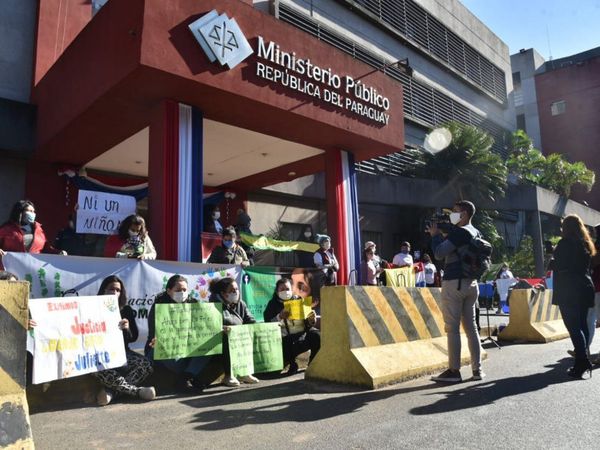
(373, 336)
(15, 430)
(533, 318)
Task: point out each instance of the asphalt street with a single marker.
(526, 401)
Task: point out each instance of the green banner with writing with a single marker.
(255, 348)
(188, 329)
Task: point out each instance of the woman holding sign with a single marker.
(297, 324)
(21, 232)
(124, 380)
(132, 240)
(188, 369)
(235, 312)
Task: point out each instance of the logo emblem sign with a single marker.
(221, 39)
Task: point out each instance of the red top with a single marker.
(11, 239)
(112, 245)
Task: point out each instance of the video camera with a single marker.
(442, 220)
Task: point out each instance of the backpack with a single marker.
(475, 257)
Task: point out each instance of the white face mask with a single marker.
(232, 297)
(326, 245)
(133, 233)
(455, 217)
(284, 295)
(307, 234)
(178, 296)
(29, 216)
(216, 215)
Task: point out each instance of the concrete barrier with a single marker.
(15, 429)
(373, 336)
(533, 318)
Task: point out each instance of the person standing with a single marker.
(131, 241)
(229, 252)
(459, 293)
(305, 259)
(325, 259)
(213, 225)
(369, 270)
(430, 271)
(596, 280)
(573, 287)
(403, 259)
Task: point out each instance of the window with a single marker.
(521, 122)
(558, 108)
(516, 79)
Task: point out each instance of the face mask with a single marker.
(326, 245)
(455, 218)
(228, 244)
(404, 250)
(232, 297)
(29, 217)
(133, 233)
(216, 215)
(284, 295)
(178, 296)
(307, 234)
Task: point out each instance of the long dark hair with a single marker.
(279, 283)
(220, 286)
(133, 219)
(574, 228)
(17, 210)
(114, 279)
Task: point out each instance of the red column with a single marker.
(336, 217)
(163, 178)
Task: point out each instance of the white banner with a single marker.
(102, 213)
(50, 275)
(76, 335)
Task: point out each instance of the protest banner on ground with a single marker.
(188, 329)
(258, 285)
(75, 336)
(255, 348)
(101, 212)
(50, 275)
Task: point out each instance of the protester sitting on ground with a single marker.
(235, 312)
(124, 380)
(325, 259)
(430, 271)
(229, 252)
(403, 259)
(298, 336)
(369, 270)
(187, 369)
(131, 241)
(212, 224)
(305, 259)
(21, 232)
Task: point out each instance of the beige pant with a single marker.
(456, 305)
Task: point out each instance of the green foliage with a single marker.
(484, 222)
(522, 264)
(468, 165)
(553, 172)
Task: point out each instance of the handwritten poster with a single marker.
(75, 336)
(255, 348)
(102, 213)
(188, 329)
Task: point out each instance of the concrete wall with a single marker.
(12, 184)
(17, 34)
(426, 70)
(528, 63)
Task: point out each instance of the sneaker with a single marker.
(499, 311)
(249, 379)
(231, 381)
(104, 397)
(147, 393)
(478, 375)
(448, 376)
(571, 352)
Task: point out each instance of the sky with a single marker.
(570, 26)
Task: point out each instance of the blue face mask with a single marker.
(228, 244)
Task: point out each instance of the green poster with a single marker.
(188, 329)
(255, 348)
(257, 290)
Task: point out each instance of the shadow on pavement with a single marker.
(485, 393)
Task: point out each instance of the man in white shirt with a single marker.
(403, 259)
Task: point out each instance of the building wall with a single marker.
(576, 132)
(12, 184)
(527, 63)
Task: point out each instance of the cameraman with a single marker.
(459, 294)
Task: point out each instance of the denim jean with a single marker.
(575, 318)
(459, 305)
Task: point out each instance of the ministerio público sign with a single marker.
(222, 40)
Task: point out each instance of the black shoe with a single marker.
(448, 376)
(581, 367)
(196, 384)
(293, 369)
